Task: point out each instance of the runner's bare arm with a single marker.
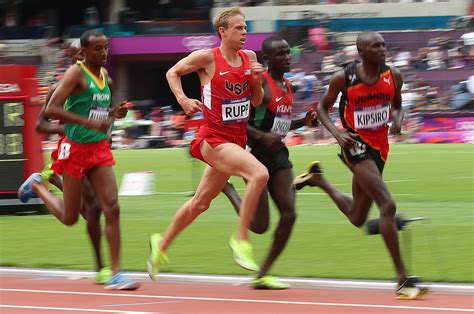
(337, 85)
(197, 61)
(44, 125)
(397, 113)
(309, 119)
(257, 71)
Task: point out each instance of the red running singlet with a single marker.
(367, 108)
(226, 104)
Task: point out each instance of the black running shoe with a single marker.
(303, 179)
(410, 290)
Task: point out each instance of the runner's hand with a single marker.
(257, 70)
(395, 128)
(272, 141)
(311, 118)
(121, 110)
(190, 106)
(346, 140)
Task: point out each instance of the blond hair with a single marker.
(222, 19)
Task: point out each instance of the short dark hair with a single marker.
(267, 44)
(85, 37)
(363, 37)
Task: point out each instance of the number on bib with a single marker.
(64, 151)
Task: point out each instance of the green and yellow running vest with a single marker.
(94, 103)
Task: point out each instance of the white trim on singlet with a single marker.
(206, 95)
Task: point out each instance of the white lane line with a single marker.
(361, 305)
(70, 309)
(141, 303)
(239, 279)
(396, 194)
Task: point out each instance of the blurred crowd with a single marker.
(310, 2)
(153, 123)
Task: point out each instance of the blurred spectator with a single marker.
(464, 95)
(178, 121)
(91, 16)
(435, 58)
(295, 53)
(351, 53)
(328, 65)
(402, 59)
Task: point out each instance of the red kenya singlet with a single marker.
(226, 98)
(368, 107)
(276, 115)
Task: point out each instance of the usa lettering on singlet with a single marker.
(226, 98)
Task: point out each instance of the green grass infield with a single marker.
(432, 181)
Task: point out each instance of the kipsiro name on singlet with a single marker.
(371, 116)
(373, 96)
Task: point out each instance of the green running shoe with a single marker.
(47, 172)
(103, 276)
(156, 256)
(243, 254)
(269, 283)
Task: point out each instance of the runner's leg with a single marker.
(210, 186)
(66, 211)
(370, 180)
(283, 195)
(103, 182)
(261, 218)
(91, 212)
(234, 160)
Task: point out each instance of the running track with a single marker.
(36, 295)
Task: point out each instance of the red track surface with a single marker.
(34, 296)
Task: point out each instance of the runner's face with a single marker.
(236, 32)
(374, 50)
(279, 57)
(96, 52)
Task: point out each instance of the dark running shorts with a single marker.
(362, 152)
(272, 160)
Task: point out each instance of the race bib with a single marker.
(281, 125)
(235, 110)
(98, 113)
(371, 117)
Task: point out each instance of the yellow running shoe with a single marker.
(269, 283)
(47, 172)
(243, 254)
(409, 290)
(103, 275)
(304, 179)
(156, 256)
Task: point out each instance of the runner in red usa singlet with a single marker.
(226, 104)
(268, 125)
(226, 98)
(231, 81)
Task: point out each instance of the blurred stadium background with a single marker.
(430, 41)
